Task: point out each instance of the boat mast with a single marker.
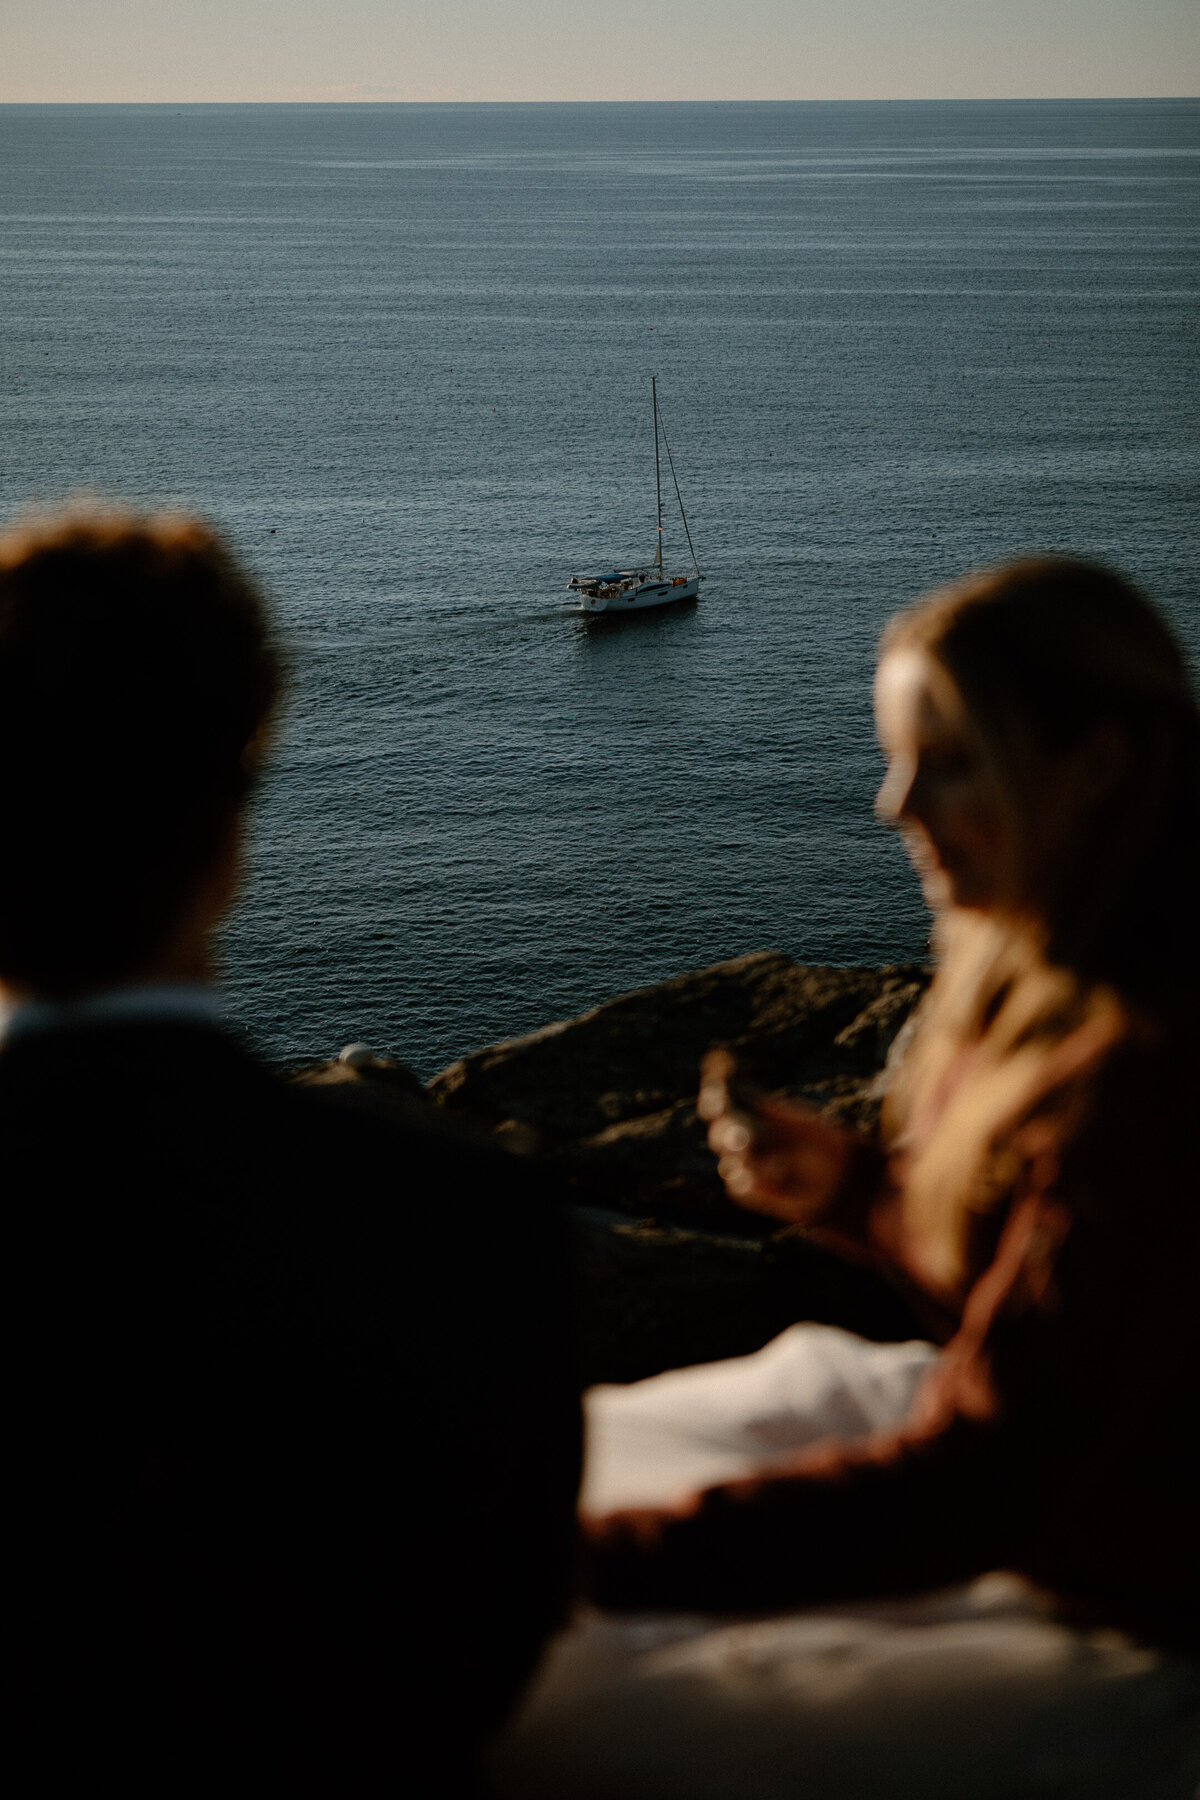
(658, 560)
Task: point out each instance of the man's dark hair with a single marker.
(137, 676)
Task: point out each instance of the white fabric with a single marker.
(655, 1440)
(977, 1693)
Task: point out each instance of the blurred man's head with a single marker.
(137, 676)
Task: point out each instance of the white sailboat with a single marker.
(628, 590)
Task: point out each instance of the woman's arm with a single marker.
(780, 1157)
(783, 1159)
(1051, 1437)
(945, 1497)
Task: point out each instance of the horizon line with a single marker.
(699, 100)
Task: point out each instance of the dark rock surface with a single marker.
(671, 1271)
(609, 1097)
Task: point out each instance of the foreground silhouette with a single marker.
(294, 1441)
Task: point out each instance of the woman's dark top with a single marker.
(1058, 1435)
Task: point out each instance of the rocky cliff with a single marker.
(672, 1272)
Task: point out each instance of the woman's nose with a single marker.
(893, 801)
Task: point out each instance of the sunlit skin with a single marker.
(974, 843)
(941, 792)
(786, 1160)
(962, 834)
(783, 1160)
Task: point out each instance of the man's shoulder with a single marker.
(153, 1079)
(191, 1104)
(176, 1143)
(155, 1072)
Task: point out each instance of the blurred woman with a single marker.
(1038, 1174)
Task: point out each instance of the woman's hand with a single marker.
(775, 1156)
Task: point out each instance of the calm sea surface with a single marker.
(401, 354)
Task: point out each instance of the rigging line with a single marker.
(671, 464)
(658, 556)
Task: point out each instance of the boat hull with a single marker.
(637, 599)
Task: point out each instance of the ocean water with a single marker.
(401, 355)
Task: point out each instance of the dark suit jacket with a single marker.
(294, 1435)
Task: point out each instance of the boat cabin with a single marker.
(615, 582)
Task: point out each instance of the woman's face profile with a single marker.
(940, 790)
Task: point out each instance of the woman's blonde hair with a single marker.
(1046, 655)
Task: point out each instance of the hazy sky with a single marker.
(595, 49)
